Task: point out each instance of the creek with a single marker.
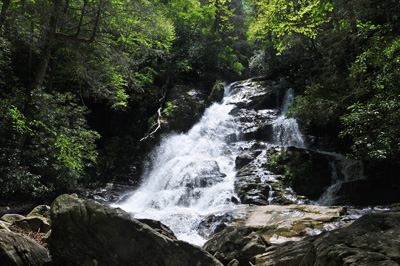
(189, 181)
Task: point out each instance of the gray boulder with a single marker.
(85, 232)
(159, 227)
(16, 249)
(236, 245)
(371, 240)
(34, 223)
(11, 218)
(40, 211)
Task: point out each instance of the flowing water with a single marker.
(191, 175)
(286, 130)
(190, 178)
(343, 170)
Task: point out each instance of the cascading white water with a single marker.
(191, 176)
(343, 170)
(286, 130)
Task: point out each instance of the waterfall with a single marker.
(286, 130)
(190, 176)
(343, 170)
(189, 182)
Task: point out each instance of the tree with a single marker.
(282, 19)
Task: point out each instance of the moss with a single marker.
(304, 209)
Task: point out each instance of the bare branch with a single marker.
(157, 128)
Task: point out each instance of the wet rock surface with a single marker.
(184, 106)
(85, 232)
(279, 224)
(236, 243)
(307, 172)
(371, 240)
(256, 184)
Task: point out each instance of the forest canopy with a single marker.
(70, 68)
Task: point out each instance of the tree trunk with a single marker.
(4, 8)
(43, 63)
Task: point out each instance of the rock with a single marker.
(160, 228)
(371, 240)
(307, 172)
(40, 211)
(217, 93)
(184, 107)
(371, 191)
(278, 224)
(85, 232)
(256, 185)
(245, 158)
(34, 223)
(11, 218)
(287, 254)
(233, 262)
(256, 124)
(16, 249)
(236, 243)
(256, 95)
(214, 223)
(4, 226)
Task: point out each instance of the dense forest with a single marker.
(83, 81)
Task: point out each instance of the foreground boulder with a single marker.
(236, 245)
(85, 232)
(371, 240)
(16, 249)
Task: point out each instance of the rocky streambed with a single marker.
(86, 232)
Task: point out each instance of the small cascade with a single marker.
(191, 176)
(286, 130)
(270, 195)
(343, 170)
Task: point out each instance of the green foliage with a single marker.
(18, 121)
(342, 58)
(373, 123)
(116, 57)
(229, 61)
(49, 153)
(281, 19)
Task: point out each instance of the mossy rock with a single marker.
(217, 93)
(307, 172)
(40, 211)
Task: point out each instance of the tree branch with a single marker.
(157, 128)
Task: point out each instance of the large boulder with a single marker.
(286, 254)
(255, 184)
(371, 240)
(16, 249)
(236, 243)
(40, 211)
(183, 108)
(279, 224)
(85, 232)
(252, 94)
(307, 172)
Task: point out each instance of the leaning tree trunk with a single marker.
(3, 15)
